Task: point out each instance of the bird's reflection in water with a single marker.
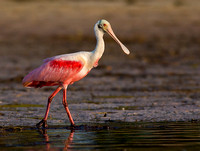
(67, 142)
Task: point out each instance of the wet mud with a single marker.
(158, 81)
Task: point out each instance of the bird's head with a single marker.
(105, 26)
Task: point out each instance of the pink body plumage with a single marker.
(54, 72)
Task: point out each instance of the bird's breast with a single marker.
(96, 63)
(79, 75)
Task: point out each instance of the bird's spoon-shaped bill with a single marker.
(111, 33)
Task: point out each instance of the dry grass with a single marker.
(47, 18)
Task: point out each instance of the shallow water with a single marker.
(111, 136)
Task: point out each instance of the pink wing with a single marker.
(53, 72)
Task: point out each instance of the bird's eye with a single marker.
(104, 25)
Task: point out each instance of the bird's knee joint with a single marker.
(65, 104)
(50, 99)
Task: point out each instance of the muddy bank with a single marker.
(159, 81)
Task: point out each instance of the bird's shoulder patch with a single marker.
(66, 64)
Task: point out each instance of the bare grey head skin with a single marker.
(105, 27)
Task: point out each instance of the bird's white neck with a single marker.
(100, 46)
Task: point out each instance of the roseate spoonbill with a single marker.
(64, 70)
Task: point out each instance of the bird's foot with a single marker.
(72, 125)
(42, 124)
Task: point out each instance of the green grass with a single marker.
(19, 105)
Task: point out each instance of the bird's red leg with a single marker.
(66, 106)
(43, 122)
